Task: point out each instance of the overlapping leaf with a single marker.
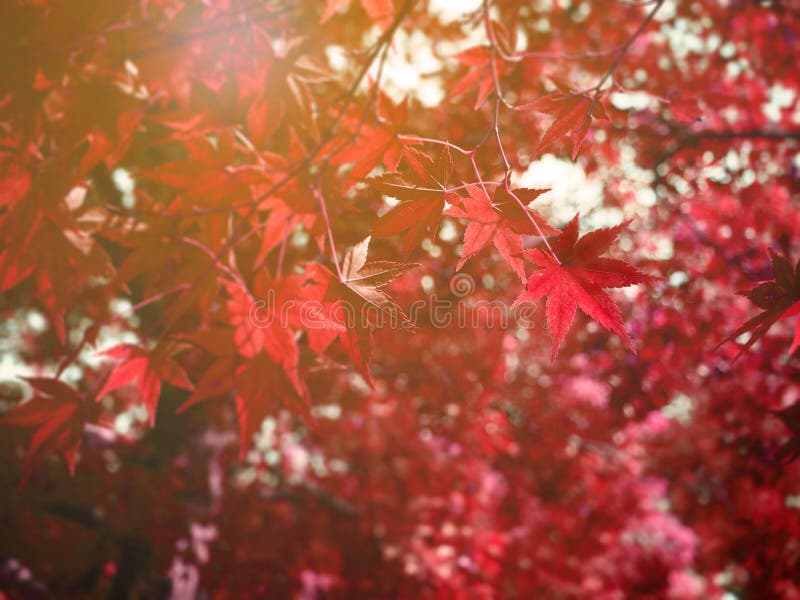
(209, 176)
(256, 359)
(58, 413)
(147, 370)
(253, 335)
(360, 301)
(573, 112)
(380, 11)
(365, 279)
(372, 146)
(500, 221)
(483, 66)
(422, 192)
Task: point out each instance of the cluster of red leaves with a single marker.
(207, 220)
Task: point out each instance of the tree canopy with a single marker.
(400, 299)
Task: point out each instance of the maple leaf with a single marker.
(359, 300)
(301, 298)
(217, 378)
(366, 278)
(359, 288)
(261, 384)
(252, 336)
(207, 178)
(58, 412)
(280, 223)
(791, 418)
(479, 76)
(42, 236)
(373, 146)
(271, 372)
(573, 113)
(147, 370)
(500, 221)
(482, 73)
(380, 11)
(295, 71)
(422, 192)
(780, 299)
(262, 387)
(575, 277)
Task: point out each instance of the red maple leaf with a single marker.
(575, 277)
(573, 113)
(780, 299)
(253, 335)
(270, 375)
(261, 383)
(790, 417)
(500, 221)
(364, 279)
(380, 11)
(359, 301)
(422, 193)
(58, 412)
(42, 236)
(263, 387)
(217, 378)
(482, 72)
(369, 146)
(279, 224)
(208, 177)
(147, 370)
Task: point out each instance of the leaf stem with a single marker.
(496, 128)
(416, 138)
(320, 198)
(281, 255)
